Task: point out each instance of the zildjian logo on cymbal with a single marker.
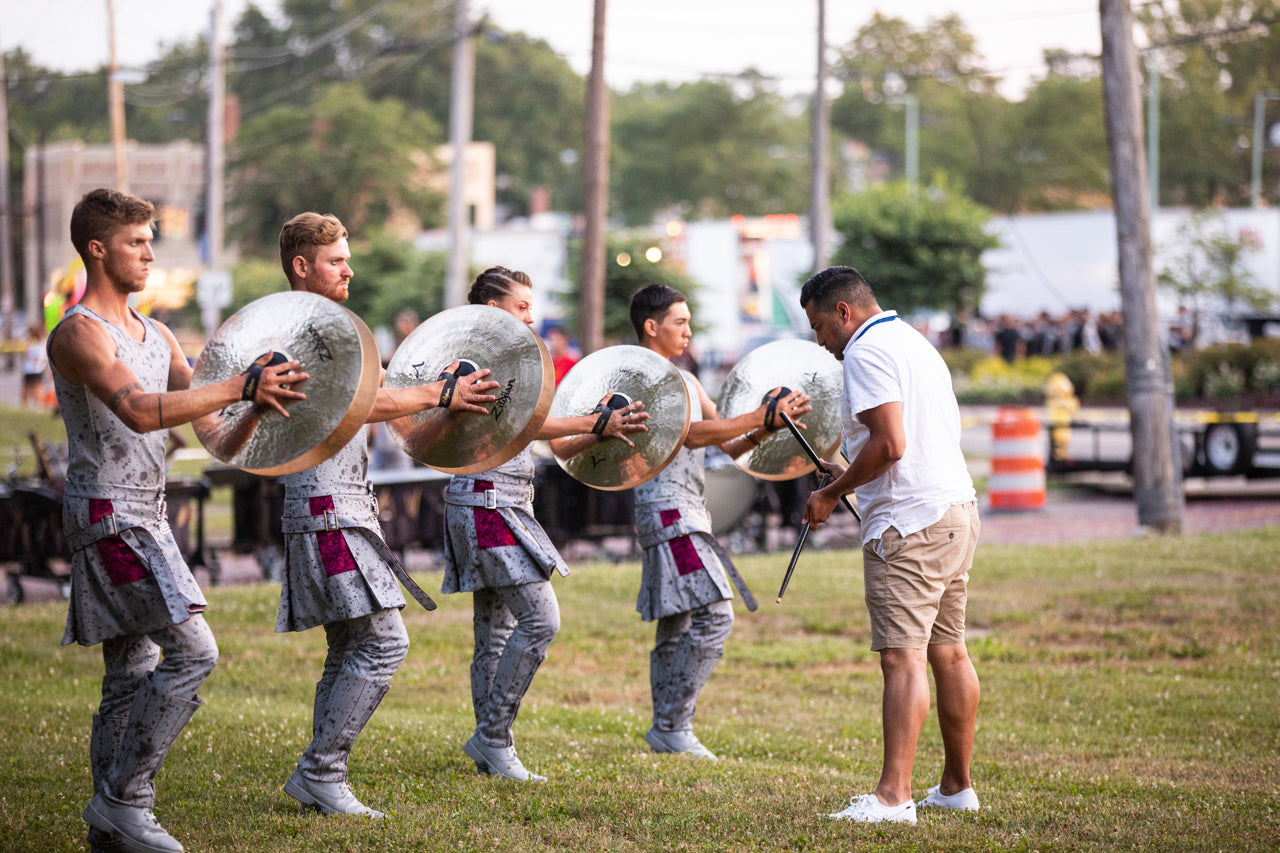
(504, 399)
(321, 348)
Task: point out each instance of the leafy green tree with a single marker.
(391, 275)
(1207, 264)
(626, 271)
(1059, 145)
(918, 250)
(1214, 56)
(360, 159)
(964, 123)
(711, 148)
(528, 103)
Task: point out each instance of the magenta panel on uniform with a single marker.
(122, 565)
(335, 556)
(686, 556)
(491, 530)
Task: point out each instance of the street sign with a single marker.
(213, 289)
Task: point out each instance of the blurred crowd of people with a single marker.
(1012, 337)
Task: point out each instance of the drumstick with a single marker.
(786, 419)
(795, 555)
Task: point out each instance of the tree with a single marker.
(919, 250)
(390, 275)
(1215, 56)
(1059, 144)
(626, 271)
(712, 148)
(1208, 265)
(363, 160)
(966, 128)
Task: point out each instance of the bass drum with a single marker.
(731, 493)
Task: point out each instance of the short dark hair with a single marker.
(495, 283)
(652, 302)
(102, 212)
(304, 234)
(836, 284)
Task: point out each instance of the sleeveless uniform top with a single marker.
(682, 565)
(681, 485)
(128, 575)
(106, 459)
(344, 571)
(491, 538)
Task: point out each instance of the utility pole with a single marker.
(820, 155)
(214, 286)
(1157, 477)
(1255, 181)
(1153, 129)
(595, 195)
(6, 249)
(461, 98)
(911, 161)
(115, 96)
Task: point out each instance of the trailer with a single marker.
(1211, 444)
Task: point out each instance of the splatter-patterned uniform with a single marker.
(341, 571)
(496, 550)
(128, 575)
(131, 589)
(683, 583)
(338, 574)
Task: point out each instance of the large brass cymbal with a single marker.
(641, 375)
(335, 348)
(800, 366)
(487, 337)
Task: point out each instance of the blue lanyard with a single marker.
(876, 323)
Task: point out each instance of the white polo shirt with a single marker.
(888, 361)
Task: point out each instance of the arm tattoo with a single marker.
(160, 409)
(118, 398)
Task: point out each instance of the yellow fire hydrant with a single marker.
(1062, 403)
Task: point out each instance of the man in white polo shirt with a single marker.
(920, 525)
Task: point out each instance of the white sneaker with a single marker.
(867, 809)
(965, 800)
(685, 742)
(498, 761)
(326, 797)
(138, 828)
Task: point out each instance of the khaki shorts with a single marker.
(916, 587)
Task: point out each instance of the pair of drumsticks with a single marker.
(804, 531)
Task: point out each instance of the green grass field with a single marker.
(1129, 702)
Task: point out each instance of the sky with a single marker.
(645, 40)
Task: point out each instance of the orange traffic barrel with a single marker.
(1017, 460)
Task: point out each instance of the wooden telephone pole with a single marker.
(820, 200)
(1157, 470)
(595, 195)
(115, 95)
(461, 116)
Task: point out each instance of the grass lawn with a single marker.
(1129, 701)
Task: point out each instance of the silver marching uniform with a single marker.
(338, 574)
(683, 584)
(495, 549)
(131, 589)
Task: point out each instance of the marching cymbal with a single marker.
(488, 337)
(335, 348)
(641, 375)
(800, 366)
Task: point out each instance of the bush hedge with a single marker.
(1223, 375)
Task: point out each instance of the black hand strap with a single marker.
(771, 423)
(252, 376)
(601, 422)
(446, 393)
(606, 409)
